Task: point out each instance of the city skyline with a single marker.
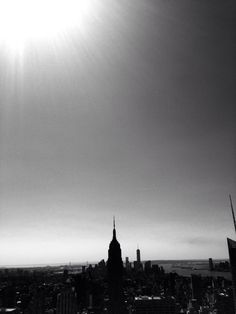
(135, 257)
(127, 111)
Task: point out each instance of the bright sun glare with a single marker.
(25, 21)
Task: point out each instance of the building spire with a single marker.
(232, 209)
(114, 227)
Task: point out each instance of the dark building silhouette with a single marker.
(196, 281)
(232, 255)
(224, 303)
(232, 258)
(37, 303)
(67, 302)
(211, 266)
(154, 305)
(115, 276)
(148, 266)
(138, 266)
(8, 296)
(138, 255)
(127, 263)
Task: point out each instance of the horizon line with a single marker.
(87, 263)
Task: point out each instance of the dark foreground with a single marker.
(147, 288)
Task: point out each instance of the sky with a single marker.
(122, 108)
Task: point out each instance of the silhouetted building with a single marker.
(37, 303)
(232, 258)
(172, 284)
(148, 266)
(211, 266)
(137, 264)
(115, 276)
(67, 302)
(154, 305)
(8, 296)
(127, 263)
(196, 287)
(138, 256)
(224, 303)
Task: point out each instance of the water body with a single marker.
(188, 267)
(181, 267)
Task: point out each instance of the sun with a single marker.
(25, 21)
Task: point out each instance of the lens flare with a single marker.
(26, 21)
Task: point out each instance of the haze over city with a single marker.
(126, 109)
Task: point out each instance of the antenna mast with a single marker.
(232, 209)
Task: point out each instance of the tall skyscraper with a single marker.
(138, 255)
(211, 265)
(115, 274)
(232, 256)
(138, 266)
(232, 209)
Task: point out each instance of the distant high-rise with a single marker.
(115, 276)
(232, 258)
(138, 255)
(148, 266)
(211, 266)
(127, 263)
(232, 255)
(138, 266)
(232, 209)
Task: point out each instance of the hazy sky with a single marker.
(127, 111)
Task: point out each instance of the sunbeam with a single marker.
(33, 21)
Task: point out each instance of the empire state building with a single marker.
(115, 274)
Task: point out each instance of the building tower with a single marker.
(232, 209)
(115, 274)
(232, 256)
(138, 256)
(211, 265)
(67, 302)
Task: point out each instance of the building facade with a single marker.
(115, 276)
(232, 258)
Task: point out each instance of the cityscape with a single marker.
(117, 287)
(117, 157)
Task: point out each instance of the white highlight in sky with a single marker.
(26, 21)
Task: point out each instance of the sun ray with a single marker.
(35, 21)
